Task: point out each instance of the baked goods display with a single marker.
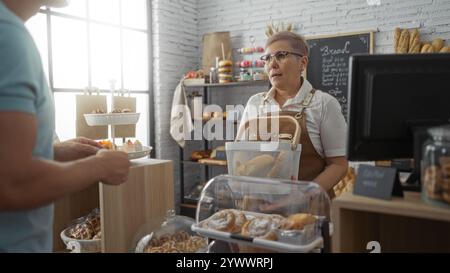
(178, 242)
(196, 155)
(106, 144)
(130, 146)
(225, 71)
(406, 41)
(257, 166)
(86, 228)
(346, 184)
(98, 111)
(257, 225)
(121, 110)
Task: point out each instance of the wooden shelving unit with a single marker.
(189, 209)
(399, 225)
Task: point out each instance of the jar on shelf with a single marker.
(436, 167)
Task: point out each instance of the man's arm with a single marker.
(28, 182)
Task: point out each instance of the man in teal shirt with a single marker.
(33, 171)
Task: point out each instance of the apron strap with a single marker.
(306, 102)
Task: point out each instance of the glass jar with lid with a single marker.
(436, 167)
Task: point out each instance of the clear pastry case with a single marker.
(264, 215)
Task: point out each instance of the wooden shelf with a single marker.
(399, 225)
(411, 206)
(206, 164)
(244, 83)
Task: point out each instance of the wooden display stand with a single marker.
(143, 199)
(399, 225)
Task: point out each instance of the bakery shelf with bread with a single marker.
(264, 215)
(199, 160)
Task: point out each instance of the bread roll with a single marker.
(278, 164)
(445, 49)
(257, 166)
(298, 221)
(437, 44)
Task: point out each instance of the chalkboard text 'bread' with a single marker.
(329, 60)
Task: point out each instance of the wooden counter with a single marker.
(144, 198)
(399, 225)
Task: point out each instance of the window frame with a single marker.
(49, 13)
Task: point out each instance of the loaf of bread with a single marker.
(437, 44)
(397, 33)
(445, 49)
(427, 48)
(298, 221)
(257, 166)
(403, 42)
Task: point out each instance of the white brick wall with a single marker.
(175, 43)
(178, 26)
(315, 17)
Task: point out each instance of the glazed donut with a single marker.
(222, 221)
(225, 63)
(225, 70)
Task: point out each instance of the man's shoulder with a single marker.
(14, 39)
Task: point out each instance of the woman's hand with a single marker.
(74, 149)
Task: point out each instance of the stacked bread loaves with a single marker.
(225, 71)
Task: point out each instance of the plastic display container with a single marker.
(264, 215)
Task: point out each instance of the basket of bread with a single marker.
(264, 215)
(275, 154)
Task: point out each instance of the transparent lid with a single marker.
(441, 133)
(174, 235)
(262, 195)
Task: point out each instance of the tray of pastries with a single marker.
(134, 149)
(254, 231)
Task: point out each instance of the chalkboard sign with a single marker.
(328, 62)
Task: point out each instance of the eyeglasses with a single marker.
(279, 56)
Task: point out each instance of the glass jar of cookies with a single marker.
(436, 167)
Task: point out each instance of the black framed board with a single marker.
(329, 60)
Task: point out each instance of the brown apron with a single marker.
(311, 163)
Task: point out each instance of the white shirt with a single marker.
(324, 120)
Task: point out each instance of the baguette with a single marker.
(414, 38)
(445, 49)
(403, 42)
(397, 33)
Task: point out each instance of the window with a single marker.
(94, 43)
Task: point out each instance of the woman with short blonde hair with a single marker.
(323, 135)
